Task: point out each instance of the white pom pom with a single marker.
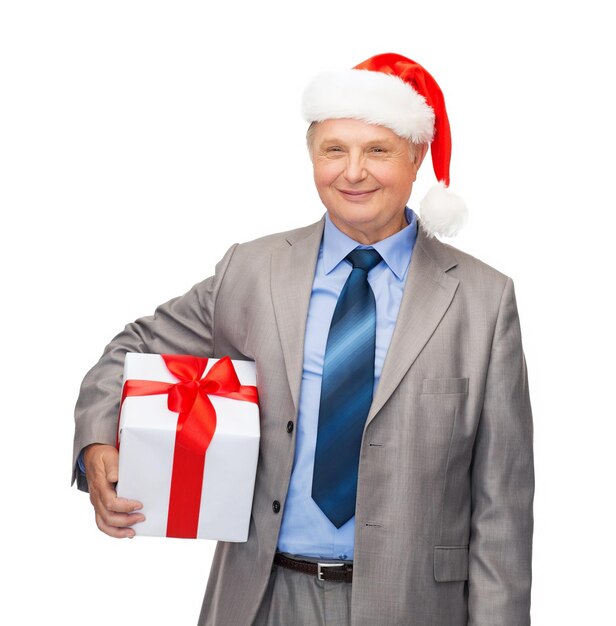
(442, 212)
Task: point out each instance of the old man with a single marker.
(395, 478)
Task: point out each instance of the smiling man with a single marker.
(364, 173)
(395, 480)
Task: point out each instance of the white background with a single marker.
(139, 140)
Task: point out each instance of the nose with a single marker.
(355, 170)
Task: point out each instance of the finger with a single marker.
(120, 520)
(110, 463)
(111, 500)
(103, 496)
(114, 504)
(107, 511)
(113, 531)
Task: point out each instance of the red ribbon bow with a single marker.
(195, 427)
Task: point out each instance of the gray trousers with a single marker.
(297, 599)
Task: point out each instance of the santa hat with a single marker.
(393, 91)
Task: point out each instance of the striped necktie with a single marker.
(346, 391)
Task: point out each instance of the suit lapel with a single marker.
(427, 295)
(292, 276)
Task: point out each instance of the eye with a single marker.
(377, 150)
(333, 149)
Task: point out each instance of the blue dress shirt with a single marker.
(305, 528)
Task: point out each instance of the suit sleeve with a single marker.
(502, 479)
(184, 325)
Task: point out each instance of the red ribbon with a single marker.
(195, 427)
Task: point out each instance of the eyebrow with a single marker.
(378, 140)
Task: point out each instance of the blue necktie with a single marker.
(346, 391)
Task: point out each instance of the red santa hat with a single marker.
(393, 91)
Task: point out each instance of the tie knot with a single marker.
(365, 259)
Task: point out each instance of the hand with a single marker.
(114, 515)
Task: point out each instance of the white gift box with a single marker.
(147, 432)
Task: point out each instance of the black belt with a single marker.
(341, 572)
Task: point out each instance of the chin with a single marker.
(360, 213)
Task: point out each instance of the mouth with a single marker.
(355, 195)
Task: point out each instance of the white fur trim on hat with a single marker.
(442, 212)
(373, 97)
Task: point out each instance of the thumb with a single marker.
(111, 467)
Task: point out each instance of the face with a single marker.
(364, 175)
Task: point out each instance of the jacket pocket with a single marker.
(444, 385)
(450, 563)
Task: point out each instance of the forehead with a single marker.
(353, 130)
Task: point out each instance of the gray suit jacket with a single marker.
(444, 519)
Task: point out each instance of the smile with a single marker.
(356, 195)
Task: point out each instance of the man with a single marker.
(395, 478)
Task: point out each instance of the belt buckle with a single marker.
(320, 567)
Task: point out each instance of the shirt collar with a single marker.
(396, 250)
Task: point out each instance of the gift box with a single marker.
(188, 438)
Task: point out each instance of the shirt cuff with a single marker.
(80, 463)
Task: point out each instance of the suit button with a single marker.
(289, 426)
(276, 506)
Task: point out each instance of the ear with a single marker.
(422, 150)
